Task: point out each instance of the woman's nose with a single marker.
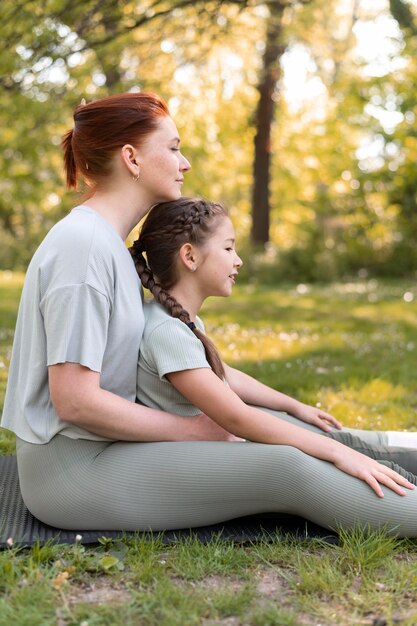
(185, 164)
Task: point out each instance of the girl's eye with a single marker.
(175, 149)
(229, 249)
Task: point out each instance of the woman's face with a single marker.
(162, 166)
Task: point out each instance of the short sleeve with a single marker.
(76, 321)
(173, 347)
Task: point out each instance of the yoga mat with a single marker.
(18, 525)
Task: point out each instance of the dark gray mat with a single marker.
(17, 524)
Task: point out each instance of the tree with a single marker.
(268, 80)
(218, 64)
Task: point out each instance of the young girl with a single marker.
(190, 251)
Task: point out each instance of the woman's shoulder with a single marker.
(84, 248)
(84, 227)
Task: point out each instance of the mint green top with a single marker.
(168, 345)
(81, 303)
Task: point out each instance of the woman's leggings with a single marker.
(82, 485)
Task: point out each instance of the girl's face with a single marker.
(162, 166)
(218, 262)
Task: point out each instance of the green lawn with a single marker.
(351, 347)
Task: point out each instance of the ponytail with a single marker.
(69, 160)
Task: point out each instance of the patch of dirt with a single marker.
(212, 583)
(218, 582)
(99, 593)
(270, 583)
(227, 621)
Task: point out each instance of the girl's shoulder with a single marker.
(156, 316)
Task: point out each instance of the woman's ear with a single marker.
(188, 257)
(130, 158)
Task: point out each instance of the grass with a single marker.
(351, 347)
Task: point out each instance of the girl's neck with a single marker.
(188, 297)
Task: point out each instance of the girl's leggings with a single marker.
(83, 485)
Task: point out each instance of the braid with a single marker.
(161, 295)
(167, 227)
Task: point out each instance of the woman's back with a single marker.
(73, 310)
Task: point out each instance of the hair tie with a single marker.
(191, 325)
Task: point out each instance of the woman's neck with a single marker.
(122, 212)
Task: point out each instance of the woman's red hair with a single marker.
(104, 126)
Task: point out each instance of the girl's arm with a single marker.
(252, 391)
(206, 391)
(78, 399)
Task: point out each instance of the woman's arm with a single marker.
(252, 391)
(206, 391)
(78, 399)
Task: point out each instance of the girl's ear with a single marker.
(188, 257)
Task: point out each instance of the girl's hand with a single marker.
(372, 472)
(315, 416)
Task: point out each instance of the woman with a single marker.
(71, 390)
(73, 367)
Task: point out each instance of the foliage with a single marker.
(54, 56)
(343, 184)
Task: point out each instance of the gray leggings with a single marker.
(83, 484)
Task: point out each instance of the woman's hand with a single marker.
(315, 416)
(370, 471)
(208, 430)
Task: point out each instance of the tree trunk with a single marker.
(404, 15)
(270, 74)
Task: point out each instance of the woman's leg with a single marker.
(140, 486)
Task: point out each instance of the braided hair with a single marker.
(166, 228)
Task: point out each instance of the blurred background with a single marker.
(299, 115)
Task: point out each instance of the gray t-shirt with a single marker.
(168, 345)
(81, 303)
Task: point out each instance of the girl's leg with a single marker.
(404, 457)
(374, 444)
(140, 486)
(374, 437)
